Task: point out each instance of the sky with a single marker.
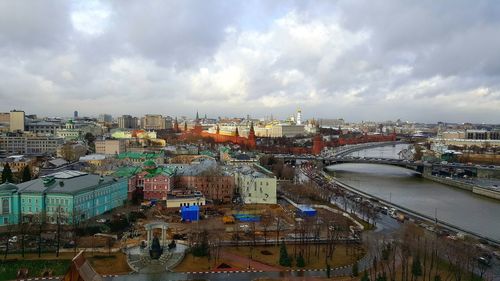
(423, 61)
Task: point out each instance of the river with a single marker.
(406, 188)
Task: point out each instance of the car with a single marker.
(70, 244)
(485, 260)
(101, 220)
(13, 239)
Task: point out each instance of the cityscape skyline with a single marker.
(336, 59)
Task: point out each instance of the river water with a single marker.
(406, 188)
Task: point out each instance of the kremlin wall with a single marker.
(250, 143)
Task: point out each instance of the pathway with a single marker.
(245, 262)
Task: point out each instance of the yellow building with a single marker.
(16, 120)
(173, 201)
(110, 147)
(255, 184)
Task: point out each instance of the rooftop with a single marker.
(92, 157)
(68, 182)
(138, 155)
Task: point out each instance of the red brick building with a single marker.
(219, 188)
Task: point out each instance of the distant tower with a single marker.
(176, 125)
(75, 114)
(299, 117)
(318, 143)
(251, 143)
(197, 126)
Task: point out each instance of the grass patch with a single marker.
(9, 268)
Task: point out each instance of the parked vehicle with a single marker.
(485, 260)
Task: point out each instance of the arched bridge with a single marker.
(332, 160)
(416, 166)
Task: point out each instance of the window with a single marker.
(5, 206)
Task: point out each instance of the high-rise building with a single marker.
(16, 120)
(105, 118)
(75, 114)
(127, 122)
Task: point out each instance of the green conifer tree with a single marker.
(7, 175)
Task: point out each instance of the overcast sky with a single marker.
(360, 60)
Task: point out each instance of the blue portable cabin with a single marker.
(190, 213)
(247, 217)
(306, 211)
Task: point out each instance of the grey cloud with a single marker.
(150, 52)
(34, 24)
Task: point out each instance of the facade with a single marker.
(29, 144)
(109, 146)
(17, 163)
(9, 204)
(16, 121)
(69, 132)
(481, 138)
(153, 122)
(127, 122)
(286, 130)
(105, 118)
(62, 197)
(178, 201)
(216, 187)
(204, 176)
(255, 184)
(5, 117)
(43, 127)
(4, 121)
(155, 182)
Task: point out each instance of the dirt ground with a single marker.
(113, 264)
(343, 255)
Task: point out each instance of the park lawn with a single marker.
(115, 263)
(191, 263)
(340, 258)
(36, 268)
